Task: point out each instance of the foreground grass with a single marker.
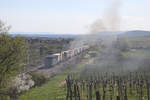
(52, 89)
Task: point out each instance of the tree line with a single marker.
(12, 58)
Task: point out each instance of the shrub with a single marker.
(38, 79)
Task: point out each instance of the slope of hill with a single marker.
(137, 33)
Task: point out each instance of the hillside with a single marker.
(137, 33)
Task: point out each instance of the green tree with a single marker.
(12, 57)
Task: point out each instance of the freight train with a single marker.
(63, 56)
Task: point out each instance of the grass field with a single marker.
(52, 90)
(135, 42)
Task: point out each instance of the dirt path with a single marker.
(62, 83)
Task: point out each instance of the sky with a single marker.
(70, 16)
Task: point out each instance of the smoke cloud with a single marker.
(104, 32)
(108, 25)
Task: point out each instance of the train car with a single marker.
(75, 51)
(78, 50)
(66, 55)
(63, 56)
(51, 60)
(70, 53)
(59, 57)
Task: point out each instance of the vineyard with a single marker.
(116, 74)
(108, 86)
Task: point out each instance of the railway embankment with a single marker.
(53, 89)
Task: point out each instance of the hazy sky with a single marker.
(70, 16)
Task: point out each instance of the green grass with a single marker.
(51, 90)
(143, 54)
(138, 41)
